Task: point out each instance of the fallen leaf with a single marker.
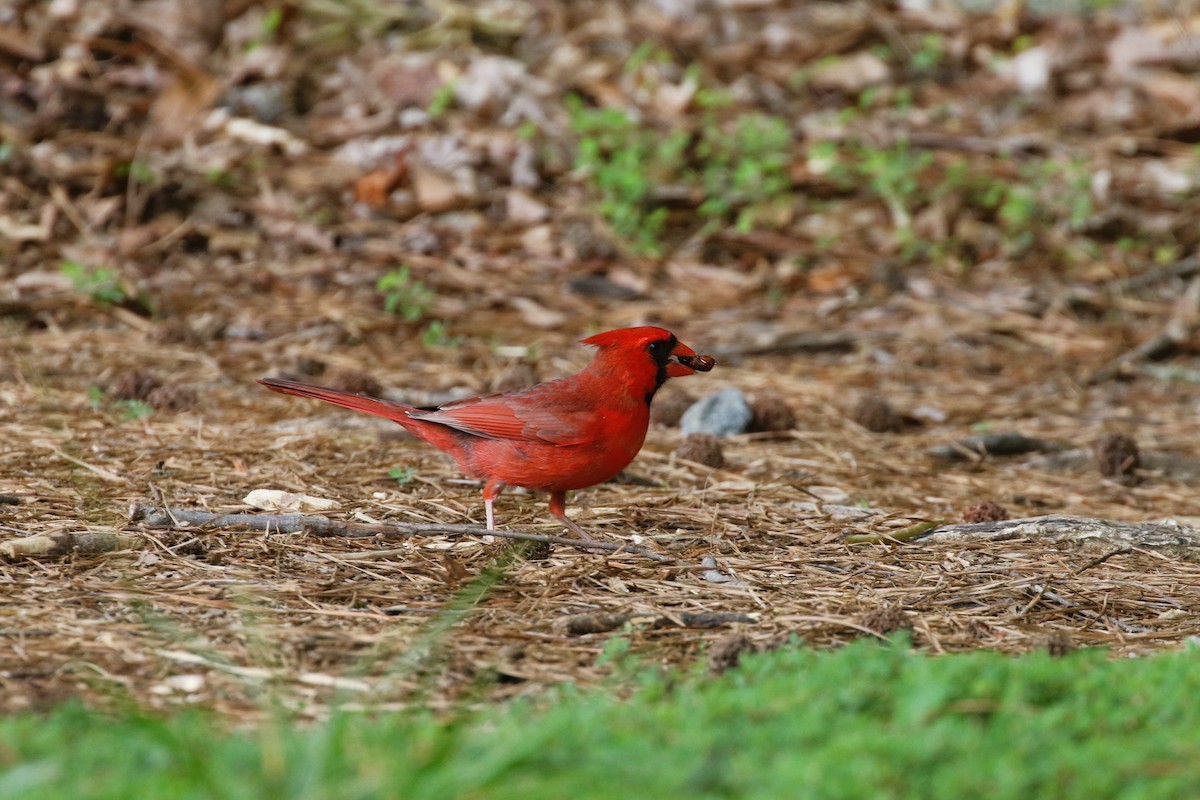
(523, 209)
(536, 314)
(851, 74)
(439, 191)
(287, 502)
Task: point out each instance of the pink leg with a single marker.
(491, 491)
(558, 508)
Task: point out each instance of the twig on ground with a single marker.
(189, 519)
(1180, 328)
(901, 535)
(1095, 562)
(61, 544)
(786, 342)
(1042, 592)
(1185, 268)
(100, 472)
(1004, 443)
(601, 622)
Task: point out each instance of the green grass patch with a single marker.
(869, 720)
(736, 170)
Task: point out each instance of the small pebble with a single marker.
(703, 448)
(723, 413)
(265, 102)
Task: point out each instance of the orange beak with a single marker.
(687, 362)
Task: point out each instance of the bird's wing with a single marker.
(496, 417)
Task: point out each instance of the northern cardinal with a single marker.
(554, 437)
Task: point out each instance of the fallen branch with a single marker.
(602, 622)
(62, 544)
(190, 519)
(1175, 541)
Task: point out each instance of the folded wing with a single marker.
(494, 418)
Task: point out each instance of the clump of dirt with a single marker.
(702, 448)
(1059, 643)
(987, 511)
(877, 415)
(771, 413)
(726, 653)
(173, 398)
(141, 386)
(886, 619)
(1117, 455)
(135, 385)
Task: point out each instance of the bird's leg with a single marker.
(491, 491)
(558, 508)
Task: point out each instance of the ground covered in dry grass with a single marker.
(932, 225)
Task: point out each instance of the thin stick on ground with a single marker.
(190, 519)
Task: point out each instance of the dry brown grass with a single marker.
(324, 617)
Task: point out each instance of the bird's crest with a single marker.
(628, 337)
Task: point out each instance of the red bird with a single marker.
(554, 437)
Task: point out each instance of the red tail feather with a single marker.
(397, 412)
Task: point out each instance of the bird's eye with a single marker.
(658, 348)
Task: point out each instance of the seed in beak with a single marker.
(698, 363)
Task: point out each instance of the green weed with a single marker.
(102, 285)
(125, 409)
(405, 296)
(402, 475)
(625, 162)
(134, 409)
(139, 172)
(739, 170)
(747, 171)
(437, 335)
(928, 55)
(442, 100)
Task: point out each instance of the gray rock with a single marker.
(265, 102)
(723, 413)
